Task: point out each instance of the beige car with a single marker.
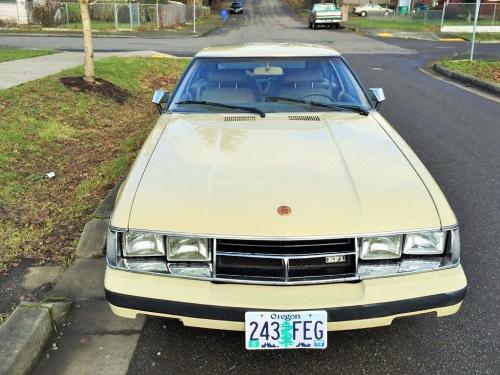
(372, 9)
(272, 197)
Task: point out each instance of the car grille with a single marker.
(285, 262)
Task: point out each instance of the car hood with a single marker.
(340, 173)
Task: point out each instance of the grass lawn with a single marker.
(7, 54)
(487, 70)
(88, 141)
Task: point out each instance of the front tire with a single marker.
(337, 26)
(310, 25)
(363, 14)
(315, 26)
(386, 13)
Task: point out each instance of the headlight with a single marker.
(143, 244)
(382, 247)
(424, 243)
(181, 249)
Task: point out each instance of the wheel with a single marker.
(310, 25)
(337, 26)
(315, 26)
(363, 14)
(330, 25)
(386, 13)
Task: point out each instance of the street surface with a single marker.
(455, 132)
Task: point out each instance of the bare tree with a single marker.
(88, 66)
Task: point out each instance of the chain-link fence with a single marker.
(460, 15)
(108, 16)
(454, 17)
(424, 16)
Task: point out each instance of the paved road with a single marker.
(263, 20)
(457, 135)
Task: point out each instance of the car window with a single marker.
(252, 81)
(320, 7)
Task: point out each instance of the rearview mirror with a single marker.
(377, 95)
(268, 71)
(160, 97)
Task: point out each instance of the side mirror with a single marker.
(377, 95)
(160, 97)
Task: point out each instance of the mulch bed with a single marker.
(101, 87)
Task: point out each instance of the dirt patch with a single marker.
(155, 82)
(101, 87)
(12, 291)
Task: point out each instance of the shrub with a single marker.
(74, 13)
(45, 14)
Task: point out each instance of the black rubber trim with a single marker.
(237, 314)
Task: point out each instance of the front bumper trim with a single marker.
(237, 314)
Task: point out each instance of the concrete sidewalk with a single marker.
(93, 340)
(15, 72)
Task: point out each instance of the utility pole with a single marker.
(476, 16)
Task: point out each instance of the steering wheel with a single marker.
(330, 99)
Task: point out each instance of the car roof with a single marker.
(268, 50)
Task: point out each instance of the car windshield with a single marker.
(236, 5)
(265, 84)
(321, 7)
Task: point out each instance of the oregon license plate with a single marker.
(286, 330)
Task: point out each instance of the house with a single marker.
(13, 12)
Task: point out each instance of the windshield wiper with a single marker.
(214, 104)
(354, 108)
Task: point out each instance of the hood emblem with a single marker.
(284, 210)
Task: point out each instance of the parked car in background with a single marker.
(236, 8)
(326, 14)
(366, 9)
(272, 197)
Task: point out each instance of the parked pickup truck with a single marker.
(325, 14)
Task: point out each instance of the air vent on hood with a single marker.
(239, 118)
(303, 118)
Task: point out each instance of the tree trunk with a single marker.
(88, 66)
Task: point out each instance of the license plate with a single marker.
(286, 330)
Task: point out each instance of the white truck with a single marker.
(326, 14)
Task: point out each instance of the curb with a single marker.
(133, 34)
(71, 35)
(93, 238)
(26, 333)
(64, 34)
(468, 80)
